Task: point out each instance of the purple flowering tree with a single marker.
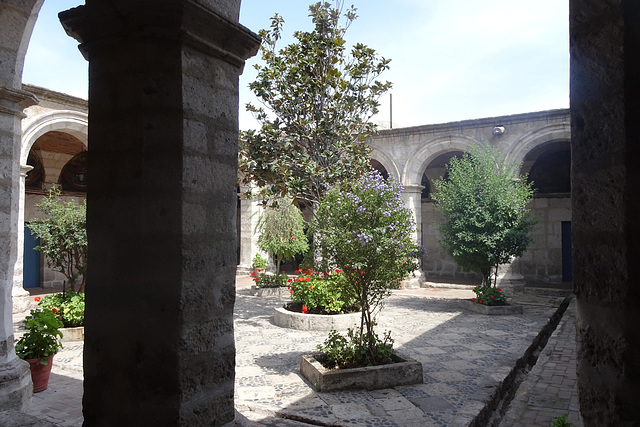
(484, 205)
(364, 229)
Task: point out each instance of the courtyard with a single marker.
(468, 361)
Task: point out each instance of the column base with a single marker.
(16, 387)
(413, 282)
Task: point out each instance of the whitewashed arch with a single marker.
(386, 161)
(552, 133)
(420, 159)
(68, 121)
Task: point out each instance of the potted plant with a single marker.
(69, 309)
(39, 344)
(258, 263)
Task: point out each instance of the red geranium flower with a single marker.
(490, 296)
(304, 309)
(293, 237)
(499, 290)
(337, 271)
(291, 291)
(55, 310)
(480, 301)
(253, 273)
(289, 280)
(473, 299)
(37, 299)
(310, 287)
(255, 280)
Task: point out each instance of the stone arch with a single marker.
(552, 133)
(72, 122)
(387, 162)
(420, 159)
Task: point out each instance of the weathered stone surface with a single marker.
(403, 372)
(314, 322)
(490, 310)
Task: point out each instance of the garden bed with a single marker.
(314, 322)
(281, 291)
(491, 310)
(403, 371)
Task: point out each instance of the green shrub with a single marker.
(323, 293)
(42, 338)
(68, 307)
(271, 280)
(259, 262)
(489, 296)
(347, 352)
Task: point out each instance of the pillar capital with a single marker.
(98, 25)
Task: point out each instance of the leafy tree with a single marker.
(320, 100)
(364, 229)
(281, 229)
(484, 204)
(63, 236)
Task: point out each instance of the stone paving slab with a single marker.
(465, 356)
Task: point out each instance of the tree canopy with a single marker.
(319, 99)
(484, 204)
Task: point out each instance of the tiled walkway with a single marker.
(464, 355)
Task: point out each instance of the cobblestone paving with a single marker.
(464, 356)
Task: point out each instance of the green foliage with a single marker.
(259, 262)
(42, 338)
(489, 296)
(271, 280)
(281, 229)
(320, 100)
(364, 229)
(484, 205)
(63, 236)
(69, 307)
(346, 352)
(323, 293)
(561, 421)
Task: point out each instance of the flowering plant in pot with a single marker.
(39, 344)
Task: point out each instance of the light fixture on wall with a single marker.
(81, 175)
(498, 130)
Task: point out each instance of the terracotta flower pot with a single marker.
(40, 373)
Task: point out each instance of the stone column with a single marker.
(20, 296)
(250, 211)
(161, 208)
(412, 198)
(15, 379)
(605, 183)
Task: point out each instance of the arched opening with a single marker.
(550, 168)
(437, 169)
(376, 165)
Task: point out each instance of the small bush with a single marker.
(323, 293)
(259, 262)
(271, 280)
(69, 308)
(348, 351)
(42, 338)
(487, 295)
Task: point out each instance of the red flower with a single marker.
(499, 290)
(291, 291)
(298, 270)
(310, 287)
(288, 287)
(289, 280)
(304, 309)
(337, 271)
(480, 301)
(283, 271)
(473, 299)
(37, 299)
(292, 237)
(253, 273)
(306, 279)
(255, 280)
(55, 310)
(259, 270)
(490, 296)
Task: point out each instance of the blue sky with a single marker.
(450, 59)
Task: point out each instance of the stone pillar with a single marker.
(20, 296)
(161, 208)
(15, 379)
(412, 198)
(605, 182)
(250, 211)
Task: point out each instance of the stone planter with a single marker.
(403, 372)
(315, 322)
(282, 292)
(490, 310)
(72, 334)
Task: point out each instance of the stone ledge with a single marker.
(281, 292)
(403, 372)
(314, 322)
(490, 310)
(72, 334)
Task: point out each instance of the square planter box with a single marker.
(490, 310)
(72, 334)
(403, 372)
(281, 292)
